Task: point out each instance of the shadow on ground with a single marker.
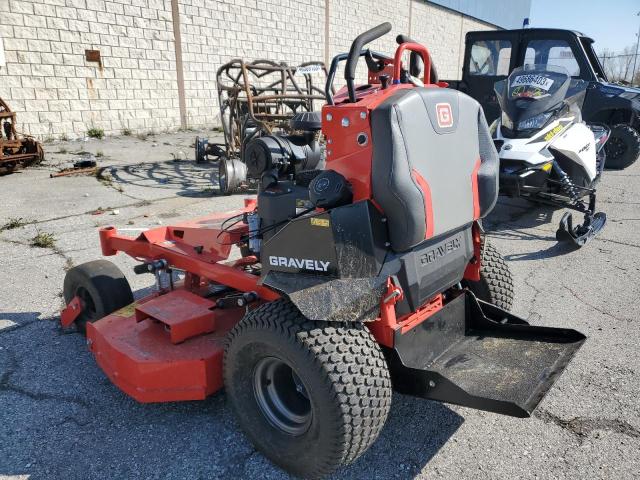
(62, 418)
(185, 178)
(514, 219)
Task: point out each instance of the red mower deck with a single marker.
(143, 361)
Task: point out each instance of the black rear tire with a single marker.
(496, 284)
(333, 375)
(201, 150)
(622, 148)
(101, 286)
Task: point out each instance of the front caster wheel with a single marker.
(311, 396)
(101, 287)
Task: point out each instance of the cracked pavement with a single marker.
(61, 418)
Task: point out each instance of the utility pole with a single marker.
(635, 58)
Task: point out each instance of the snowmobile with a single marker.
(547, 153)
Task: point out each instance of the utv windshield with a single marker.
(533, 93)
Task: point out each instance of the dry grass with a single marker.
(95, 132)
(15, 222)
(43, 240)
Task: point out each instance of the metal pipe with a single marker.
(635, 58)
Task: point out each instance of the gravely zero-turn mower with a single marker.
(353, 281)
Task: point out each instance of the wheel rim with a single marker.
(281, 396)
(222, 176)
(615, 147)
(89, 312)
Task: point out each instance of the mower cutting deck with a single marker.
(349, 281)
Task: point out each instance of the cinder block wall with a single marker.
(57, 92)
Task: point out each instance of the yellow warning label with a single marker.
(552, 133)
(127, 311)
(320, 222)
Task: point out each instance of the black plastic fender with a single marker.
(328, 298)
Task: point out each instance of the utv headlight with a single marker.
(534, 122)
(506, 121)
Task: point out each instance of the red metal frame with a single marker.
(385, 328)
(197, 246)
(414, 47)
(71, 312)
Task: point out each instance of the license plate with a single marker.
(539, 81)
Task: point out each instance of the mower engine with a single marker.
(272, 157)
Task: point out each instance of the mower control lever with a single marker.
(328, 89)
(356, 51)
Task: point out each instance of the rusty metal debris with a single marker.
(83, 167)
(260, 98)
(74, 171)
(16, 150)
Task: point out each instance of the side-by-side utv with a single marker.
(351, 282)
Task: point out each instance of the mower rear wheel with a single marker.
(495, 285)
(102, 289)
(311, 396)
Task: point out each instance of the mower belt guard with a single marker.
(474, 354)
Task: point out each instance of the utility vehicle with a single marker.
(490, 56)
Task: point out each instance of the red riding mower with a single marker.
(352, 281)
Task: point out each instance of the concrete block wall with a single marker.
(57, 92)
(216, 31)
(443, 31)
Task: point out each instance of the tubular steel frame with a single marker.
(265, 95)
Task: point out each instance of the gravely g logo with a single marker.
(445, 116)
(301, 263)
(440, 251)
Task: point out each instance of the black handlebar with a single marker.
(355, 52)
(402, 38)
(334, 67)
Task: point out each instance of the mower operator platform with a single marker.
(482, 357)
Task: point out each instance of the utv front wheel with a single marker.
(495, 285)
(623, 147)
(311, 396)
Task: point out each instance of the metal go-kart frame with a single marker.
(259, 98)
